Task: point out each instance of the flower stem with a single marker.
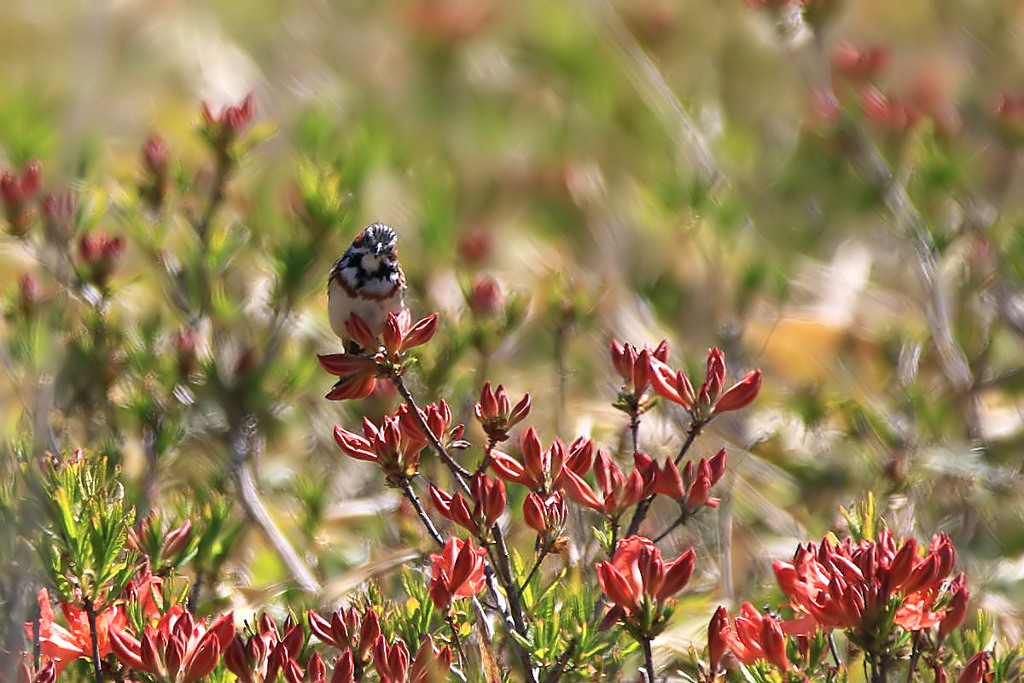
(460, 472)
(644, 505)
(673, 526)
(634, 429)
(90, 612)
(536, 566)
(645, 643)
(412, 497)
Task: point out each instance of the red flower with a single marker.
(618, 492)
(634, 365)
(485, 297)
(716, 640)
(638, 571)
(541, 469)
(457, 572)
(846, 585)
(429, 665)
(61, 645)
(496, 414)
(691, 488)
(488, 504)
(224, 126)
(16, 192)
(859, 64)
(178, 648)
(545, 515)
(752, 637)
(100, 253)
(401, 335)
(709, 400)
(358, 375)
(345, 631)
(976, 670)
(391, 445)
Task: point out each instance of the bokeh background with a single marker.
(703, 171)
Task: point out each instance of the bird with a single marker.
(368, 281)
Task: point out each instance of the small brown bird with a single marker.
(366, 280)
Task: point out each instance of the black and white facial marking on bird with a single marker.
(366, 280)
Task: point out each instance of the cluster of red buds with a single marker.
(99, 253)
(177, 649)
(488, 499)
(456, 572)
(17, 192)
(157, 182)
(384, 353)
(496, 414)
(888, 112)
(438, 418)
(710, 400)
(616, 493)
(353, 636)
(856, 586)
(223, 128)
(633, 366)
(393, 446)
(638, 582)
(430, 665)
(542, 470)
(751, 637)
(267, 654)
(691, 488)
(545, 514)
(859, 64)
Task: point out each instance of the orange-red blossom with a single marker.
(428, 666)
(542, 469)
(751, 637)
(496, 414)
(710, 399)
(488, 498)
(456, 572)
(850, 585)
(616, 492)
(393, 446)
(177, 649)
(637, 574)
(358, 373)
(63, 645)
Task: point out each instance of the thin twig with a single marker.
(256, 511)
(680, 520)
(559, 668)
(90, 612)
(536, 566)
(429, 525)
(834, 651)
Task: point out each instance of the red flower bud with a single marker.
(716, 639)
(741, 394)
(677, 575)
